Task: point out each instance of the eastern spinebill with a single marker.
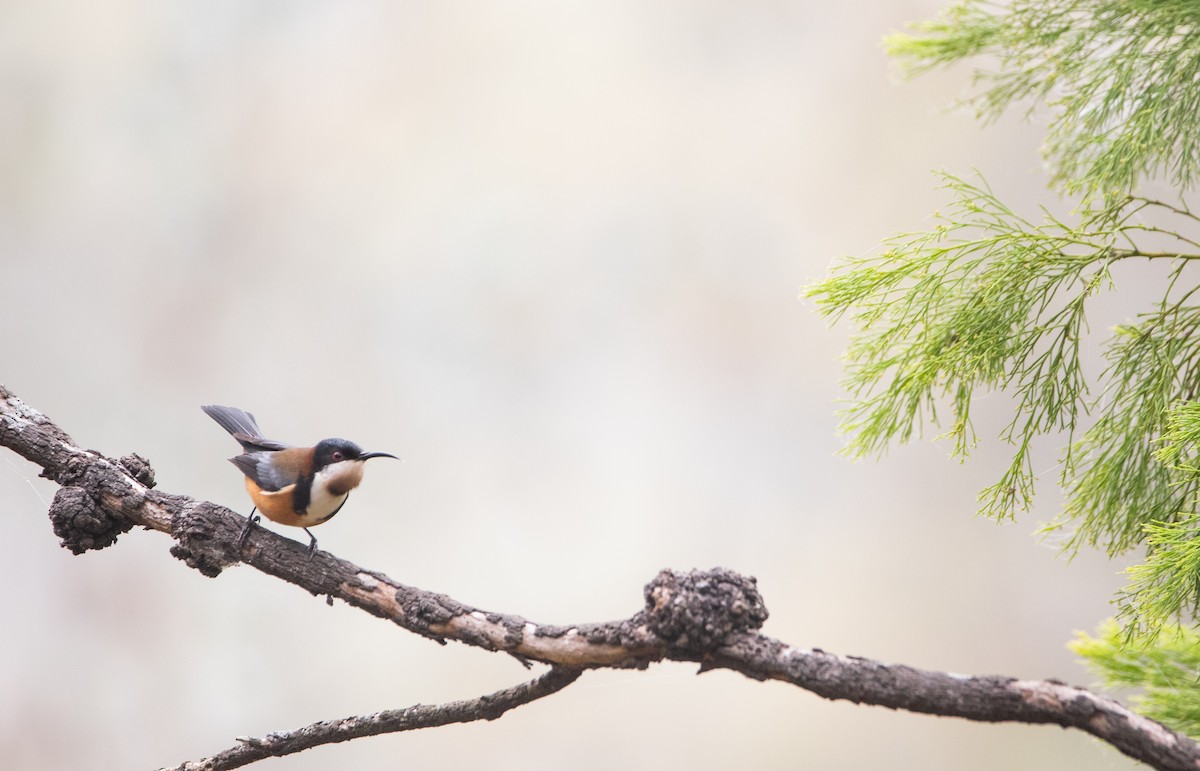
(297, 486)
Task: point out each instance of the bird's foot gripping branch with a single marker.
(710, 617)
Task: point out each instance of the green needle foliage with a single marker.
(1167, 672)
(1169, 581)
(1120, 75)
(991, 299)
(1125, 489)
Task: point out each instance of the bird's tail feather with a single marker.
(237, 422)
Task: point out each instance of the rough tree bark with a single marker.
(708, 617)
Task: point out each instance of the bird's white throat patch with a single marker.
(331, 485)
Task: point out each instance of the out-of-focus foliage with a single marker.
(1166, 670)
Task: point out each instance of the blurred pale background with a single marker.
(550, 254)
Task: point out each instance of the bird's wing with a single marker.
(265, 474)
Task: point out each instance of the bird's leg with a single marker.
(312, 546)
(250, 520)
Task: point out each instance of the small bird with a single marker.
(297, 486)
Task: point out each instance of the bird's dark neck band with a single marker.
(302, 495)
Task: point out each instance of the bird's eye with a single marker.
(337, 455)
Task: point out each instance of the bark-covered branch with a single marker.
(710, 617)
(488, 707)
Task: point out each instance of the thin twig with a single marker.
(489, 707)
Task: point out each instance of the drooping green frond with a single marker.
(1118, 75)
(984, 300)
(990, 300)
(1167, 669)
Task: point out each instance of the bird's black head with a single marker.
(330, 451)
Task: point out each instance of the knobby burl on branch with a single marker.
(711, 617)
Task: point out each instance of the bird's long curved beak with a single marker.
(369, 455)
